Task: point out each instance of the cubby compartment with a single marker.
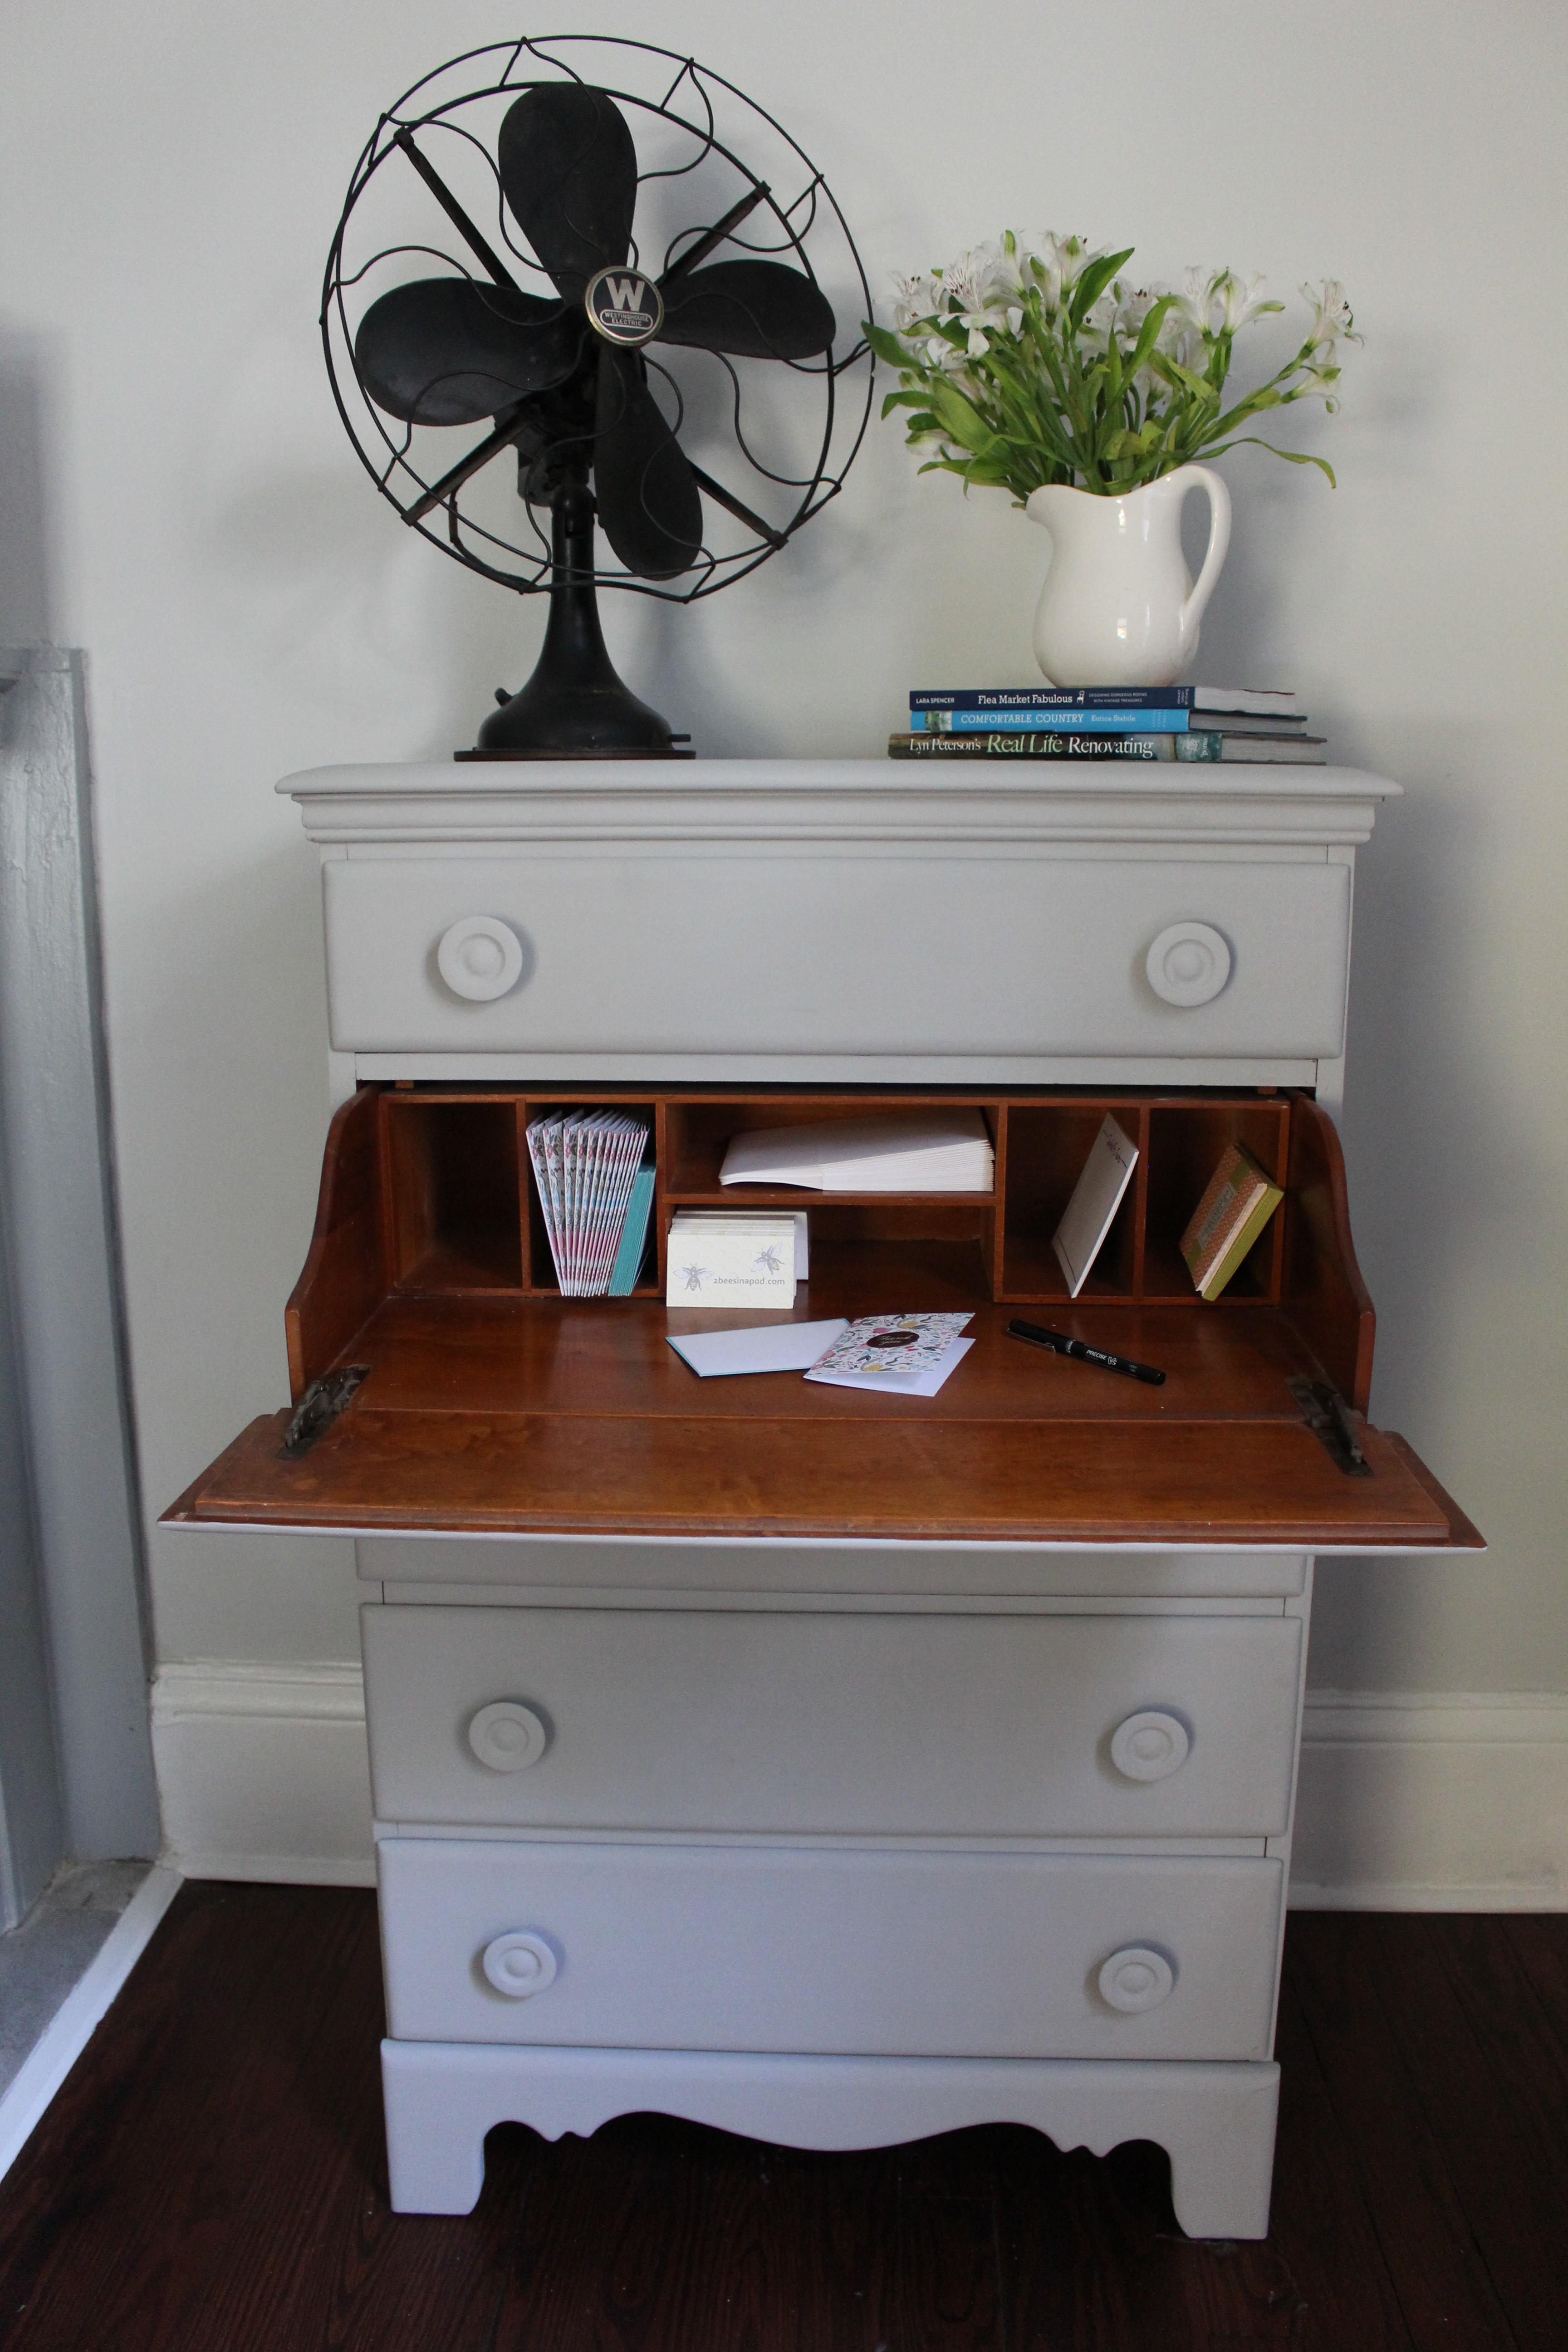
(869, 1256)
(541, 1274)
(698, 1133)
(1047, 1146)
(451, 1194)
(1185, 1140)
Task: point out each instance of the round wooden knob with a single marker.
(1135, 1978)
(506, 1736)
(518, 1964)
(1189, 963)
(479, 959)
(1150, 1746)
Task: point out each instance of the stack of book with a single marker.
(1107, 722)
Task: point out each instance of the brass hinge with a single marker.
(1327, 1415)
(319, 1408)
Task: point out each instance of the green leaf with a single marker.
(1292, 456)
(1172, 373)
(1093, 283)
(960, 418)
(886, 346)
(1148, 332)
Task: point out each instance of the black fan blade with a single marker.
(569, 171)
(445, 350)
(759, 310)
(648, 502)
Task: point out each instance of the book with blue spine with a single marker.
(1074, 721)
(1257, 702)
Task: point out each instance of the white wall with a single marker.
(170, 176)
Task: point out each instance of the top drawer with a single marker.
(676, 953)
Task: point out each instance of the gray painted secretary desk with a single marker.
(834, 1767)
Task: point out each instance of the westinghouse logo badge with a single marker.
(625, 307)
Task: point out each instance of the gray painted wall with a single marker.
(64, 1315)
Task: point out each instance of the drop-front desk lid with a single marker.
(543, 1416)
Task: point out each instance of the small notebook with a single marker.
(632, 1249)
(1096, 1197)
(1237, 1203)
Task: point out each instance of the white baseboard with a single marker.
(262, 1772)
(70, 2029)
(1447, 1800)
(1432, 1800)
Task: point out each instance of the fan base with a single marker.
(611, 751)
(575, 706)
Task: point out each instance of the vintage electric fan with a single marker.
(597, 369)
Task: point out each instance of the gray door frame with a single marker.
(76, 1760)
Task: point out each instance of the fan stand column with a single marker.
(575, 706)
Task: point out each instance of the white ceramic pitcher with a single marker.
(1119, 606)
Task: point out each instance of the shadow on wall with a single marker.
(1431, 1146)
(25, 599)
(1447, 1194)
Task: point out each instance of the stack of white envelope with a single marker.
(903, 1151)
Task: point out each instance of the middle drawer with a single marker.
(853, 1725)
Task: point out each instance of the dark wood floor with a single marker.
(212, 2176)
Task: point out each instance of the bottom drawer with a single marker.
(790, 1948)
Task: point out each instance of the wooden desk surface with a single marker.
(549, 1416)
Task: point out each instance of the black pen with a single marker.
(1061, 1345)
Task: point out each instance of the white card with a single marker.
(748, 1264)
(770, 1348)
(691, 1217)
(1096, 1197)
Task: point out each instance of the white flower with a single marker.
(982, 277)
(979, 343)
(1319, 379)
(1235, 303)
(1333, 316)
(1055, 264)
(1014, 320)
(914, 300)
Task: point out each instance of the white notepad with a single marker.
(1096, 1197)
(766, 1347)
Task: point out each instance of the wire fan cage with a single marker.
(770, 441)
